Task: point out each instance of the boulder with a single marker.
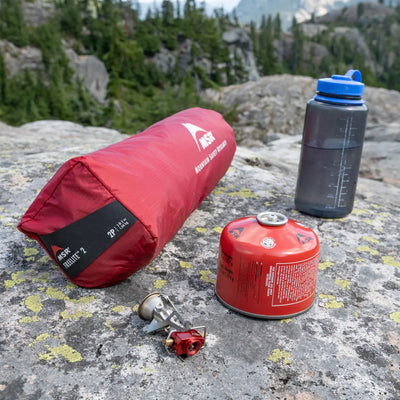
(20, 59)
(276, 104)
(91, 72)
(164, 61)
(61, 341)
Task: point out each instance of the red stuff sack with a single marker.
(105, 215)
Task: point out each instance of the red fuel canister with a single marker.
(267, 266)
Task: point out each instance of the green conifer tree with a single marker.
(277, 26)
(265, 47)
(12, 22)
(297, 60)
(3, 80)
(70, 17)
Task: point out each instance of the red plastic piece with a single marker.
(187, 343)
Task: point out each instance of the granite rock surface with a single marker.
(60, 341)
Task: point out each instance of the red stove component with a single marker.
(184, 343)
(267, 266)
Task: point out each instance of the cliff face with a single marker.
(61, 341)
(240, 48)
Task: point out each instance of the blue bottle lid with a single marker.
(341, 89)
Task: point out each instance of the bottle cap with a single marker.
(341, 88)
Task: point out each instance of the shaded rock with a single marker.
(91, 72)
(61, 341)
(311, 30)
(354, 36)
(20, 59)
(37, 12)
(240, 45)
(381, 151)
(165, 61)
(184, 55)
(313, 53)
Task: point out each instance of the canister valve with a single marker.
(182, 339)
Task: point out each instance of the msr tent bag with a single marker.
(105, 215)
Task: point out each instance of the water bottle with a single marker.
(333, 136)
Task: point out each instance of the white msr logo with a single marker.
(205, 140)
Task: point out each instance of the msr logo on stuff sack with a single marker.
(60, 253)
(204, 140)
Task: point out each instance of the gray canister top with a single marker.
(270, 218)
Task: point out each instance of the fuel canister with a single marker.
(267, 266)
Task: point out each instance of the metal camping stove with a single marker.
(182, 339)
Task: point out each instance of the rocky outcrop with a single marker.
(364, 12)
(354, 36)
(59, 341)
(19, 59)
(362, 34)
(36, 12)
(240, 45)
(164, 61)
(87, 68)
(313, 54)
(275, 105)
(91, 72)
(310, 30)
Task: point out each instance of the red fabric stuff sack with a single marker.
(105, 215)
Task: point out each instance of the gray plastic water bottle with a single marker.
(333, 137)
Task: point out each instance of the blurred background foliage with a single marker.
(138, 93)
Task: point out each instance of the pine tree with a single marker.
(297, 63)
(70, 16)
(241, 74)
(277, 26)
(3, 80)
(266, 50)
(360, 9)
(12, 22)
(254, 37)
(59, 105)
(167, 12)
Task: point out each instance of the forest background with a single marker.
(139, 93)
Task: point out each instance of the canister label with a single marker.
(259, 289)
(292, 283)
